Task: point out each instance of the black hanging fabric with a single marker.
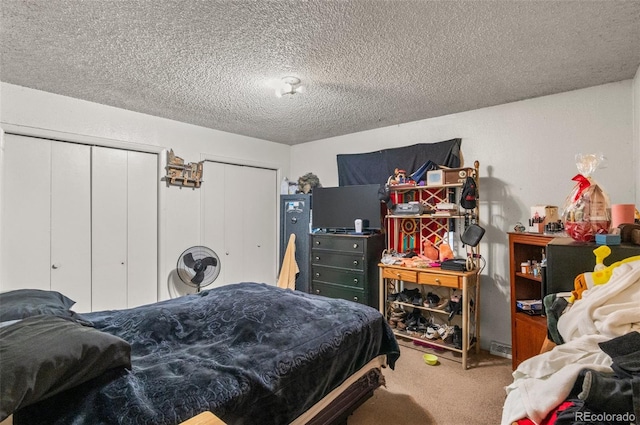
(376, 167)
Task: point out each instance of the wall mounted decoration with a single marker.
(181, 174)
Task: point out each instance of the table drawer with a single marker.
(439, 280)
(338, 243)
(406, 275)
(338, 276)
(335, 259)
(334, 291)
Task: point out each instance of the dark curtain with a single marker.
(376, 167)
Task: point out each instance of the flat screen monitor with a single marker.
(337, 208)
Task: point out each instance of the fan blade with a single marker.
(210, 261)
(197, 279)
(188, 260)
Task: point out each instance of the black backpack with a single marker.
(469, 194)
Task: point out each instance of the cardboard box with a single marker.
(434, 178)
(607, 239)
(526, 305)
(456, 175)
(548, 213)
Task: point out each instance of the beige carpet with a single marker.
(444, 394)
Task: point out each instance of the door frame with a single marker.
(61, 136)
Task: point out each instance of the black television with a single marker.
(335, 209)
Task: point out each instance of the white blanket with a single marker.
(606, 311)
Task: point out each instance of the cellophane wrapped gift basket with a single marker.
(587, 210)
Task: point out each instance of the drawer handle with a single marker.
(317, 291)
(355, 281)
(398, 275)
(355, 262)
(317, 242)
(355, 246)
(437, 280)
(317, 274)
(355, 299)
(317, 258)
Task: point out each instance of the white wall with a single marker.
(526, 151)
(182, 224)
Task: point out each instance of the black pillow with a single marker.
(44, 355)
(23, 303)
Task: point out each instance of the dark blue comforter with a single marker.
(251, 353)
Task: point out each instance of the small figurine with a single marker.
(399, 177)
(446, 253)
(430, 251)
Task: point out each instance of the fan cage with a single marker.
(187, 273)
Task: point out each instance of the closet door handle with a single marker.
(55, 266)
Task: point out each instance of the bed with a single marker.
(250, 353)
(593, 374)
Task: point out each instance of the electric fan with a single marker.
(198, 266)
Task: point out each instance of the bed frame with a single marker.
(335, 407)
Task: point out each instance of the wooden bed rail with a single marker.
(204, 418)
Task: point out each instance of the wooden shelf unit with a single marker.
(410, 232)
(527, 332)
(394, 278)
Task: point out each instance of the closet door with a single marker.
(142, 226)
(240, 221)
(45, 218)
(213, 222)
(109, 229)
(26, 214)
(259, 225)
(238, 198)
(124, 228)
(71, 222)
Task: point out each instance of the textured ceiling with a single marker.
(365, 63)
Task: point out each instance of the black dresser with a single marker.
(567, 258)
(346, 266)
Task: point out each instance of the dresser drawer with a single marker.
(338, 243)
(338, 276)
(335, 291)
(439, 280)
(336, 259)
(406, 275)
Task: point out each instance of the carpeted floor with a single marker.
(444, 394)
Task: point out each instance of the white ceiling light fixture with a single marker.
(289, 86)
